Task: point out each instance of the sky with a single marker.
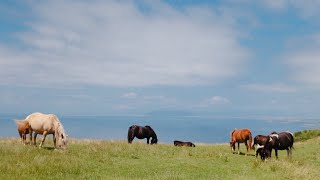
(228, 58)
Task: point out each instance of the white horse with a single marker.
(46, 124)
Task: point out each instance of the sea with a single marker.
(198, 129)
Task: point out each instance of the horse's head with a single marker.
(154, 141)
(233, 146)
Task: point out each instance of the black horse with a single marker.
(278, 141)
(141, 132)
(181, 143)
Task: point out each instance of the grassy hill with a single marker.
(88, 159)
(306, 134)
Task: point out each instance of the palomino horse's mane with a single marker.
(59, 127)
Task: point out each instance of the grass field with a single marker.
(89, 159)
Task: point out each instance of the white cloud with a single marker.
(219, 100)
(305, 9)
(276, 87)
(303, 59)
(305, 66)
(114, 43)
(276, 4)
(129, 95)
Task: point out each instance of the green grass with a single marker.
(88, 159)
(306, 134)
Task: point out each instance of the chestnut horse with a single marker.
(46, 124)
(240, 136)
(23, 130)
(141, 132)
(181, 143)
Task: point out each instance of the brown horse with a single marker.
(23, 130)
(240, 136)
(181, 143)
(141, 132)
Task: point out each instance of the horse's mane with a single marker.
(59, 126)
(150, 128)
(233, 132)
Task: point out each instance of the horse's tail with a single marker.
(22, 122)
(130, 132)
(292, 136)
(250, 141)
(253, 143)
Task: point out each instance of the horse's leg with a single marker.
(54, 141)
(148, 140)
(35, 138)
(276, 152)
(44, 135)
(257, 153)
(24, 138)
(238, 148)
(21, 137)
(30, 136)
(246, 147)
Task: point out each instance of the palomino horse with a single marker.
(240, 136)
(142, 132)
(46, 124)
(23, 130)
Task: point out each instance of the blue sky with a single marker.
(222, 58)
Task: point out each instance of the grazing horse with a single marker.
(46, 124)
(23, 129)
(278, 141)
(240, 136)
(260, 141)
(181, 143)
(141, 132)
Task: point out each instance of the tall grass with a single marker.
(90, 159)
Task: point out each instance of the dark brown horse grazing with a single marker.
(181, 143)
(23, 130)
(240, 136)
(141, 132)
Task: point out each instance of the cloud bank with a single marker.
(122, 43)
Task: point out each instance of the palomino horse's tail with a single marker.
(23, 122)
